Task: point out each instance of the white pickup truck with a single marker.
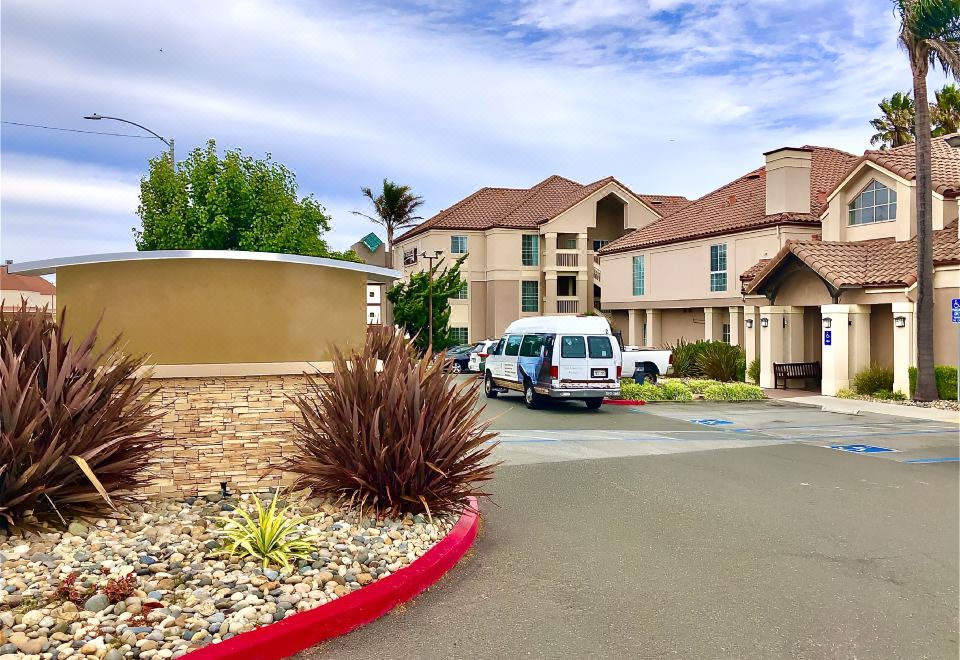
(645, 364)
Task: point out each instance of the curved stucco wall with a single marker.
(215, 311)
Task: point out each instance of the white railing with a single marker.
(568, 258)
(568, 305)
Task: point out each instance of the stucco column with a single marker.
(793, 334)
(771, 342)
(549, 268)
(736, 322)
(712, 324)
(904, 346)
(859, 334)
(848, 349)
(654, 336)
(584, 275)
(635, 318)
(751, 333)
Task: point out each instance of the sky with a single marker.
(669, 96)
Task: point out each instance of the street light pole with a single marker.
(169, 143)
(436, 255)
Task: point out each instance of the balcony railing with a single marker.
(568, 305)
(568, 258)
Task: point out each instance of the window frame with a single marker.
(854, 209)
(507, 345)
(462, 294)
(534, 339)
(601, 241)
(466, 334)
(721, 252)
(725, 333)
(524, 297)
(593, 339)
(533, 252)
(642, 280)
(564, 346)
(457, 238)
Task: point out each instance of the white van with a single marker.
(563, 357)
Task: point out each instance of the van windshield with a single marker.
(600, 347)
(573, 347)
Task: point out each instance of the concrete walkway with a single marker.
(858, 407)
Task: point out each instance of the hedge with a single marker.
(946, 378)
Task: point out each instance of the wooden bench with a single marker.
(787, 370)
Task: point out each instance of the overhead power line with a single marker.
(77, 130)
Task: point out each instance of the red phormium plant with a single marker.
(120, 589)
(67, 590)
(393, 432)
(73, 422)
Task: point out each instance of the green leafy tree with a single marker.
(930, 35)
(945, 112)
(894, 127)
(234, 202)
(411, 302)
(394, 207)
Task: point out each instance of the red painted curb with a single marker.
(340, 616)
(624, 402)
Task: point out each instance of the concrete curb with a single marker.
(338, 617)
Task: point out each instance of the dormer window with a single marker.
(876, 203)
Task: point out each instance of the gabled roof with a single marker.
(12, 282)
(526, 208)
(944, 164)
(739, 206)
(846, 264)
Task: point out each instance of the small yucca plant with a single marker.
(270, 536)
(392, 432)
(719, 361)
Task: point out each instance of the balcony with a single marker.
(568, 305)
(568, 258)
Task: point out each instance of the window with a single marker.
(725, 333)
(529, 296)
(458, 245)
(410, 257)
(718, 267)
(573, 347)
(372, 294)
(497, 348)
(464, 293)
(876, 203)
(531, 346)
(513, 345)
(600, 347)
(530, 249)
(643, 334)
(599, 243)
(638, 276)
(459, 335)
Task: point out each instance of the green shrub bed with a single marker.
(678, 390)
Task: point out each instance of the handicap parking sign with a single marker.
(955, 310)
(711, 422)
(862, 449)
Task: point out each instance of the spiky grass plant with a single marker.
(270, 536)
(74, 436)
(392, 432)
(718, 360)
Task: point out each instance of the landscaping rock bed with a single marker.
(149, 585)
(941, 404)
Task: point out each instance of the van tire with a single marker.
(594, 403)
(489, 388)
(530, 396)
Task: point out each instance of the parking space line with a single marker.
(934, 460)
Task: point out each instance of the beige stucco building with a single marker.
(36, 291)
(811, 258)
(530, 251)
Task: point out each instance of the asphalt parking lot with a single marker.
(639, 532)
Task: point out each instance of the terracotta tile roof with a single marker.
(878, 262)
(524, 208)
(751, 272)
(740, 205)
(945, 164)
(12, 282)
(665, 204)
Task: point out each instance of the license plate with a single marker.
(598, 373)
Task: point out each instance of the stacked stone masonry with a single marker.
(236, 429)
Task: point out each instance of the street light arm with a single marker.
(132, 123)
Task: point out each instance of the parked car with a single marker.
(562, 357)
(645, 365)
(478, 356)
(457, 358)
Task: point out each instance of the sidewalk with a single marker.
(856, 406)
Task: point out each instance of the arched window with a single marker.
(876, 203)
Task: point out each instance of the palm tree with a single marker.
(946, 111)
(930, 35)
(394, 207)
(895, 126)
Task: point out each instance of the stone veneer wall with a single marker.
(225, 428)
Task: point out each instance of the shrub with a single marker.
(685, 358)
(846, 393)
(946, 378)
(741, 376)
(718, 360)
(669, 390)
(733, 392)
(887, 395)
(67, 589)
(873, 379)
(73, 423)
(698, 385)
(405, 437)
(271, 537)
(754, 370)
(673, 390)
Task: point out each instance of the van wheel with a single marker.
(532, 399)
(594, 403)
(488, 387)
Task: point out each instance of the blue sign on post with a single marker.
(828, 337)
(955, 310)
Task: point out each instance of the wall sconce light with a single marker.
(827, 322)
(784, 321)
(764, 322)
(900, 321)
(749, 323)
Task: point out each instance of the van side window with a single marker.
(497, 348)
(531, 346)
(600, 347)
(513, 345)
(573, 347)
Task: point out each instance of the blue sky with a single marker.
(670, 97)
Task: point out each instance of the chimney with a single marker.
(788, 180)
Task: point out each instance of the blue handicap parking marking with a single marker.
(862, 449)
(952, 459)
(711, 422)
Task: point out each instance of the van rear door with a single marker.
(587, 361)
